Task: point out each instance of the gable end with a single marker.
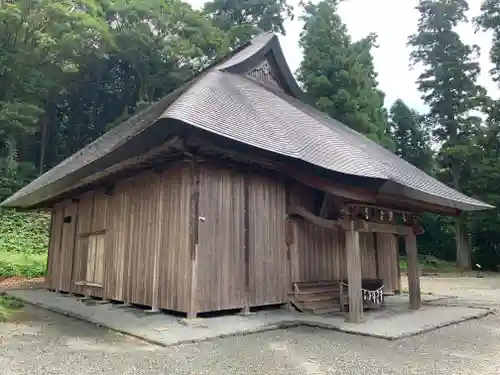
(266, 72)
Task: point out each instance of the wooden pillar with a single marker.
(353, 257)
(413, 271)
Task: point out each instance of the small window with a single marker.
(67, 219)
(95, 259)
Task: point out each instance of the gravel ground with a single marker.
(41, 342)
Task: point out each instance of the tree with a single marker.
(243, 19)
(71, 69)
(449, 87)
(412, 141)
(338, 75)
(485, 156)
(41, 43)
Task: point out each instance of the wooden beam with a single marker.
(413, 271)
(340, 190)
(309, 216)
(399, 230)
(348, 192)
(353, 258)
(359, 225)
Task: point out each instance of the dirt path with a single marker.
(39, 342)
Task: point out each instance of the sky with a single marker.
(393, 21)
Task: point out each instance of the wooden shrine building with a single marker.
(229, 191)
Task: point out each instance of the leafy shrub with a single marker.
(24, 232)
(18, 264)
(24, 240)
(7, 305)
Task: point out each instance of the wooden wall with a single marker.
(61, 246)
(220, 258)
(233, 270)
(145, 228)
(174, 259)
(319, 253)
(387, 250)
(146, 224)
(268, 254)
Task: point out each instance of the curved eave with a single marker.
(395, 188)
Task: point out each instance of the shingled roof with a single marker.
(224, 100)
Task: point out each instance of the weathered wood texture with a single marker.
(387, 246)
(144, 242)
(319, 254)
(354, 274)
(67, 245)
(413, 272)
(53, 266)
(91, 219)
(268, 262)
(61, 246)
(220, 258)
(174, 257)
(226, 278)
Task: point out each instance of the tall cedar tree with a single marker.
(338, 74)
(411, 138)
(449, 88)
(243, 19)
(485, 156)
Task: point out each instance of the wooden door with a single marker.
(268, 263)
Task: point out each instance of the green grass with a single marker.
(24, 238)
(19, 264)
(431, 264)
(8, 305)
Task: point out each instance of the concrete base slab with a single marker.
(393, 322)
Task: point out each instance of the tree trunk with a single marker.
(43, 143)
(463, 248)
(463, 257)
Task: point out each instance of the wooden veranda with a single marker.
(356, 219)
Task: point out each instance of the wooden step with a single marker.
(319, 282)
(323, 289)
(312, 305)
(327, 310)
(316, 297)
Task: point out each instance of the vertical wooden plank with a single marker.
(74, 250)
(56, 279)
(194, 237)
(268, 253)
(246, 242)
(50, 252)
(353, 255)
(220, 259)
(413, 271)
(91, 259)
(157, 248)
(377, 260)
(99, 259)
